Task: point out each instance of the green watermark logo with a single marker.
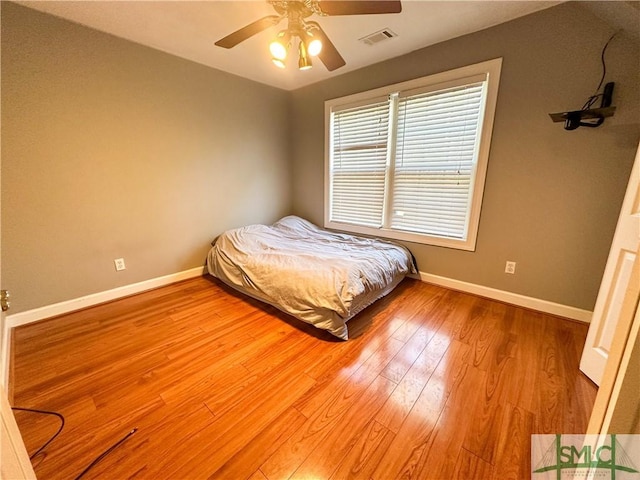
(557, 457)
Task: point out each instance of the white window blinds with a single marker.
(360, 140)
(435, 157)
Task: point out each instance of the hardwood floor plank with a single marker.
(528, 328)
(550, 383)
(93, 382)
(257, 475)
(579, 398)
(344, 360)
(76, 448)
(211, 368)
(513, 455)
(327, 455)
(491, 344)
(165, 378)
(433, 384)
(229, 433)
(398, 406)
(416, 311)
(352, 379)
(469, 466)
(236, 394)
(286, 349)
(261, 446)
(325, 415)
(577, 391)
(484, 427)
(414, 438)
(79, 414)
(363, 457)
(439, 460)
(154, 442)
(406, 357)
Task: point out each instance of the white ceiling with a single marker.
(189, 29)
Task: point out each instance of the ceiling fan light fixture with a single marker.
(279, 46)
(314, 45)
(278, 62)
(278, 50)
(304, 62)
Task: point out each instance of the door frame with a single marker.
(626, 334)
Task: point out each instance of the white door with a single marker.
(615, 281)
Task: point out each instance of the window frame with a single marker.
(491, 71)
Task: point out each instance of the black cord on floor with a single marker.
(44, 412)
(59, 415)
(107, 452)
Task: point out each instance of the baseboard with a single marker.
(545, 306)
(48, 311)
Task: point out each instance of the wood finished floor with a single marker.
(436, 384)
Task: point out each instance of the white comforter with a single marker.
(320, 277)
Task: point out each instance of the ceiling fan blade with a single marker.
(250, 30)
(329, 54)
(360, 7)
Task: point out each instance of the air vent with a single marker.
(378, 37)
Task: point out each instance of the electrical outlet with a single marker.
(119, 264)
(510, 267)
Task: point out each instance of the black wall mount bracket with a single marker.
(592, 117)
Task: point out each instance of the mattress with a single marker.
(320, 277)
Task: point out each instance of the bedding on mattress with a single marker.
(319, 277)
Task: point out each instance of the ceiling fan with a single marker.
(312, 39)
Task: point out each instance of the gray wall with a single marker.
(111, 149)
(552, 197)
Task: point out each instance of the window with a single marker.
(409, 161)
